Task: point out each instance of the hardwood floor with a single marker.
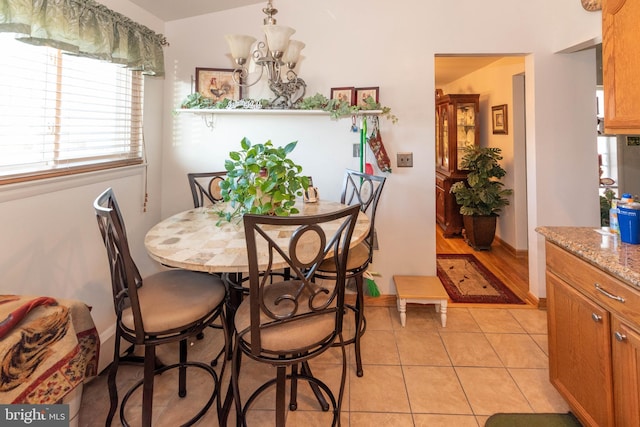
(500, 260)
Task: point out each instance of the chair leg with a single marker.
(293, 402)
(359, 313)
(233, 393)
(306, 370)
(147, 387)
(182, 370)
(281, 410)
(343, 379)
(111, 380)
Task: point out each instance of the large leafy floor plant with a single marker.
(483, 194)
(261, 179)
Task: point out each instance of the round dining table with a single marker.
(198, 240)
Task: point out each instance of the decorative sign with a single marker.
(633, 141)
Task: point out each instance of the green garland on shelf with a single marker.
(334, 107)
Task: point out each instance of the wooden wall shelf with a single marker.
(208, 113)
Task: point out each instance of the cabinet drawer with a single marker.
(611, 293)
(439, 182)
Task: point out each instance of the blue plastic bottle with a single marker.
(613, 217)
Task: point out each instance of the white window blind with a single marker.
(62, 114)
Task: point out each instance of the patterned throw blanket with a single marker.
(47, 348)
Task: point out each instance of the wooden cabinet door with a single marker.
(626, 371)
(440, 208)
(580, 353)
(621, 66)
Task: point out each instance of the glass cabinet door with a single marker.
(466, 128)
(442, 137)
(438, 139)
(445, 137)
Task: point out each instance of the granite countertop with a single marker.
(600, 248)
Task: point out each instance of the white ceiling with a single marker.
(447, 68)
(170, 10)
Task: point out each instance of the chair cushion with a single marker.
(358, 257)
(287, 336)
(172, 299)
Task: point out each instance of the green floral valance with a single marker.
(87, 28)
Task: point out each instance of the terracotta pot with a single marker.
(479, 231)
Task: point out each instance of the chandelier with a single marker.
(277, 56)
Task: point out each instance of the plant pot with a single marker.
(479, 231)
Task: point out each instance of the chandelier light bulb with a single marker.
(240, 45)
(278, 38)
(292, 53)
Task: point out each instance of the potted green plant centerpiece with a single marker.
(482, 196)
(261, 179)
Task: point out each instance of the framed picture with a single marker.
(362, 93)
(344, 94)
(499, 119)
(217, 84)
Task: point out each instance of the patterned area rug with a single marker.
(467, 280)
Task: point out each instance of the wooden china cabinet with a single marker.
(456, 128)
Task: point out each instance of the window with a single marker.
(607, 151)
(62, 114)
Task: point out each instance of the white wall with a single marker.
(375, 43)
(50, 241)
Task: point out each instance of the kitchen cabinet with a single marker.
(579, 356)
(620, 64)
(594, 343)
(626, 366)
(456, 127)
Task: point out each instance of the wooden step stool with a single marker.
(421, 290)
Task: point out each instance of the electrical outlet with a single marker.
(356, 150)
(404, 160)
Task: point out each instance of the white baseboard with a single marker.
(107, 340)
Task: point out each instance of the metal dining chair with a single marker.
(286, 323)
(365, 190)
(205, 187)
(205, 191)
(166, 307)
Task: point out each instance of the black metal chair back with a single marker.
(205, 187)
(125, 277)
(365, 190)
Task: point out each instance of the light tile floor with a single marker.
(486, 360)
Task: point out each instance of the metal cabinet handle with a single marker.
(595, 317)
(620, 336)
(608, 294)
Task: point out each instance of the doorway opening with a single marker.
(499, 80)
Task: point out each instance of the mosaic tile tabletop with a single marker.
(193, 241)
